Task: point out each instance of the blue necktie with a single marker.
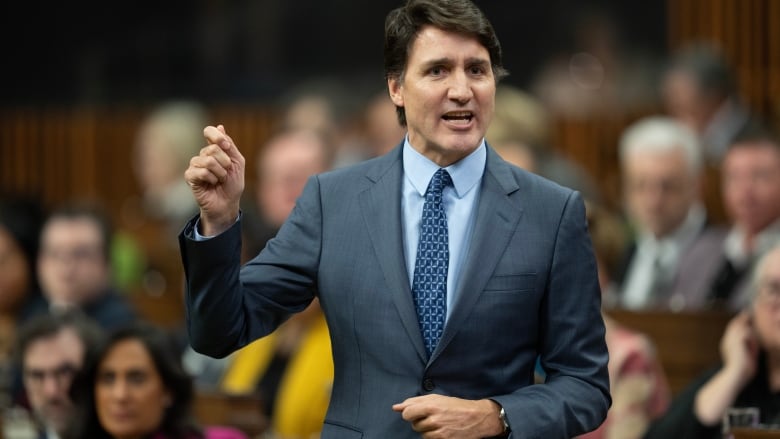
(429, 286)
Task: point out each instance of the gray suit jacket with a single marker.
(528, 289)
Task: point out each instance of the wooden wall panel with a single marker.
(61, 154)
(747, 31)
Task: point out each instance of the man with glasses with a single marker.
(50, 351)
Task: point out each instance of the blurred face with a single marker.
(382, 127)
(130, 396)
(156, 164)
(766, 307)
(660, 190)
(14, 273)
(447, 92)
(751, 185)
(71, 265)
(283, 170)
(49, 365)
(684, 101)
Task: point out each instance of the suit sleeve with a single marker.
(229, 306)
(572, 349)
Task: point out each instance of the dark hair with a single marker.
(92, 212)
(708, 67)
(460, 16)
(755, 131)
(177, 422)
(48, 325)
(23, 218)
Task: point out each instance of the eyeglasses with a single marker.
(60, 374)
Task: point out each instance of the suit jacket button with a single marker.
(428, 385)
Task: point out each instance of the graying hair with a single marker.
(661, 134)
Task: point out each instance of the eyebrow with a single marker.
(448, 61)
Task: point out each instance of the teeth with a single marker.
(458, 115)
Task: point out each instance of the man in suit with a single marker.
(673, 246)
(74, 265)
(515, 262)
(51, 349)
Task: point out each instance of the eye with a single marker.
(136, 377)
(477, 70)
(436, 71)
(106, 378)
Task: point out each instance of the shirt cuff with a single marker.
(198, 237)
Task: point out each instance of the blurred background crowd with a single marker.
(664, 114)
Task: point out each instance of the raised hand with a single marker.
(216, 177)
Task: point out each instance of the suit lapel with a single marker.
(496, 220)
(381, 207)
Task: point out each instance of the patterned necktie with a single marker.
(430, 269)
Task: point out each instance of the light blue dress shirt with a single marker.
(460, 204)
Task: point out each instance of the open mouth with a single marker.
(458, 116)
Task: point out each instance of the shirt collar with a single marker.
(465, 173)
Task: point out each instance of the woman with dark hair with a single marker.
(135, 387)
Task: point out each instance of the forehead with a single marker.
(668, 160)
(72, 230)
(55, 349)
(434, 43)
(127, 354)
(760, 151)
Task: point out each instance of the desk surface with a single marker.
(755, 433)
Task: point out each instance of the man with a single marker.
(751, 195)
(661, 165)
(509, 249)
(51, 349)
(74, 266)
(283, 166)
(698, 90)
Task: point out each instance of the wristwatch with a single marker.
(502, 417)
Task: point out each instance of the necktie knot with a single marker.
(439, 181)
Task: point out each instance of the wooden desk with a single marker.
(755, 433)
(687, 342)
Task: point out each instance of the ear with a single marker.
(167, 399)
(395, 87)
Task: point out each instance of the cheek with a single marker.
(153, 405)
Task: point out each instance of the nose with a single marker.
(53, 387)
(119, 390)
(459, 89)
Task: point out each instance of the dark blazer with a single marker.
(528, 288)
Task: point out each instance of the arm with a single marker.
(739, 350)
(575, 397)
(228, 307)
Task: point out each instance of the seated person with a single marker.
(50, 349)
(135, 387)
(750, 373)
(74, 266)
